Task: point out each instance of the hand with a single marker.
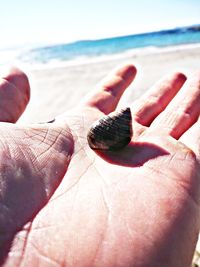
(62, 204)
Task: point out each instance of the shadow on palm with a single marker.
(134, 155)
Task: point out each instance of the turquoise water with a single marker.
(95, 48)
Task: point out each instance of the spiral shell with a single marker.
(111, 132)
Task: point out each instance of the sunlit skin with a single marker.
(63, 204)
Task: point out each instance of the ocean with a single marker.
(81, 51)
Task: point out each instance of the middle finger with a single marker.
(149, 106)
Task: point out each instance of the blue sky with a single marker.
(56, 21)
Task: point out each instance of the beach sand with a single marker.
(57, 89)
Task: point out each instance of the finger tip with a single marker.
(14, 82)
(18, 78)
(130, 67)
(127, 70)
(176, 78)
(180, 76)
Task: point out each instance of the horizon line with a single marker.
(49, 44)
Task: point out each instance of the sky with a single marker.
(27, 22)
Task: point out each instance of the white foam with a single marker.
(11, 57)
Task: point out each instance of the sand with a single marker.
(56, 89)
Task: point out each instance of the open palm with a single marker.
(63, 204)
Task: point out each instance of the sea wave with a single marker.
(88, 51)
(84, 60)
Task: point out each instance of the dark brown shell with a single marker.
(111, 132)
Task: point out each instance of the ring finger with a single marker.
(183, 111)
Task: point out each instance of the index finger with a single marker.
(108, 93)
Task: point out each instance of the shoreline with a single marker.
(85, 60)
(57, 89)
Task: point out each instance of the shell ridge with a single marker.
(111, 132)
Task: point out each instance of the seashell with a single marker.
(111, 132)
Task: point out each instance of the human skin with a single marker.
(63, 204)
